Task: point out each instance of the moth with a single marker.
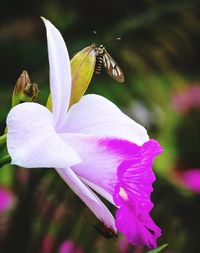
(106, 232)
(104, 58)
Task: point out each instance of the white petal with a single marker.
(32, 141)
(60, 72)
(88, 197)
(97, 188)
(98, 116)
(99, 164)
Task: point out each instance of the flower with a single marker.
(187, 99)
(189, 178)
(125, 247)
(24, 90)
(6, 199)
(68, 246)
(48, 243)
(92, 145)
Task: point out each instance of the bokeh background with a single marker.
(159, 54)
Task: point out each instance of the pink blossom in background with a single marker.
(123, 245)
(48, 243)
(94, 147)
(6, 199)
(191, 179)
(187, 99)
(68, 246)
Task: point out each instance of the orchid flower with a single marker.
(92, 145)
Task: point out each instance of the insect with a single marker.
(103, 58)
(106, 232)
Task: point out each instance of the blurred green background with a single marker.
(159, 55)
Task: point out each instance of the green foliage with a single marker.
(159, 249)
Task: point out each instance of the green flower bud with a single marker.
(30, 93)
(82, 70)
(24, 91)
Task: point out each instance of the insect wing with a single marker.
(112, 68)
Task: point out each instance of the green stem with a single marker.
(3, 139)
(4, 160)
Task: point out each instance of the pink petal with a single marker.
(191, 179)
(67, 247)
(60, 72)
(132, 195)
(110, 164)
(135, 231)
(32, 141)
(6, 199)
(101, 158)
(88, 197)
(98, 116)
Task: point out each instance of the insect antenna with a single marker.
(116, 39)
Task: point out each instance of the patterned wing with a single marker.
(112, 68)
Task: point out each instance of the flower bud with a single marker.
(82, 69)
(24, 91)
(30, 93)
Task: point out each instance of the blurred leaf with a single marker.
(4, 160)
(159, 249)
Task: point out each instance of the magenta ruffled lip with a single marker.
(132, 195)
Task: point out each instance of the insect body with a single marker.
(106, 232)
(103, 58)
